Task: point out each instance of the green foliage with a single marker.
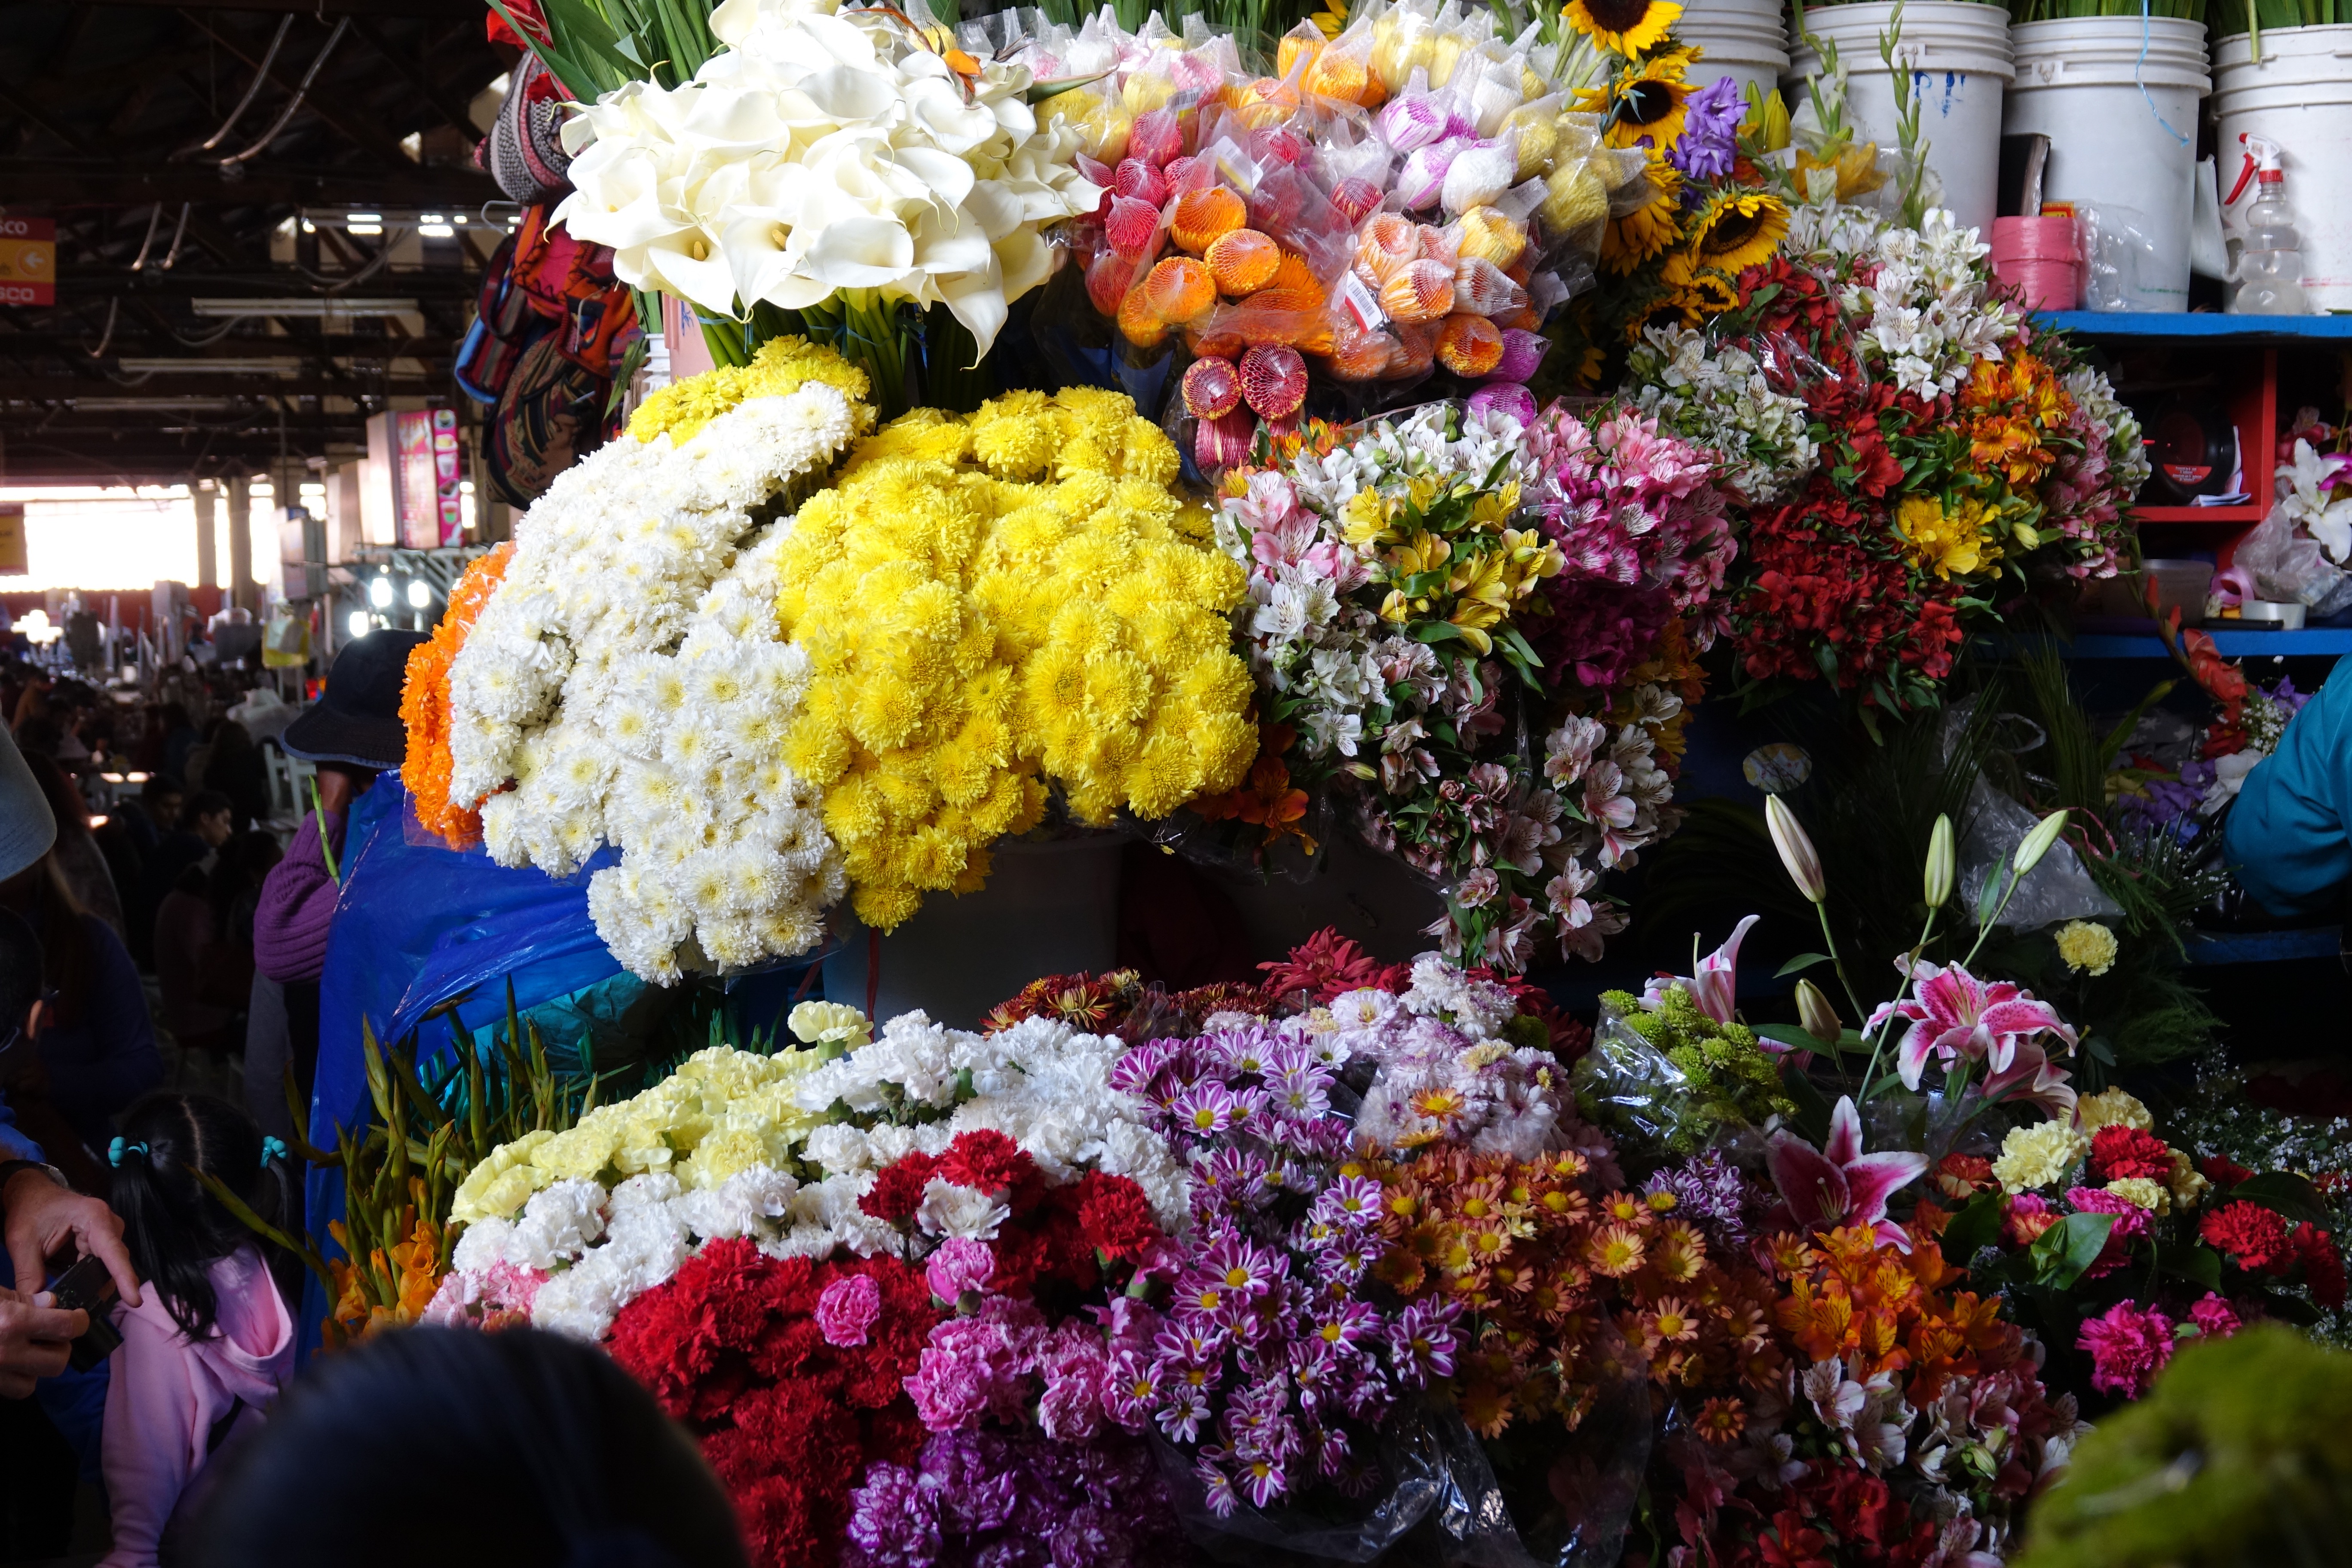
(597, 46)
(2240, 1457)
(1671, 1079)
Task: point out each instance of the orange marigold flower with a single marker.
(425, 704)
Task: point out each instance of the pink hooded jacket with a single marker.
(165, 1396)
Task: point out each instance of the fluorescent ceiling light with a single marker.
(223, 366)
(308, 307)
(435, 231)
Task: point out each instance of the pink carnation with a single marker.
(1076, 1372)
(960, 1265)
(847, 1311)
(2131, 1221)
(977, 1367)
(2127, 1346)
(2214, 1318)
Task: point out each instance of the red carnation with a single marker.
(2254, 1237)
(2322, 1266)
(2222, 1171)
(2119, 1152)
(986, 1160)
(1117, 1216)
(898, 1191)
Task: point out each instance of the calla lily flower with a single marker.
(822, 153)
(1715, 986)
(1953, 1015)
(1838, 1184)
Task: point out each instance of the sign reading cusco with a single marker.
(29, 261)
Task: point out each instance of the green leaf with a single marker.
(1802, 961)
(1974, 1228)
(1436, 632)
(2285, 1193)
(1812, 1117)
(1989, 896)
(2200, 1265)
(2067, 1248)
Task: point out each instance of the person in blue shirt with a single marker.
(43, 1217)
(2289, 837)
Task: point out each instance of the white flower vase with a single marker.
(1048, 908)
(1375, 899)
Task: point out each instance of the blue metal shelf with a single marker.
(2266, 946)
(2200, 324)
(2318, 642)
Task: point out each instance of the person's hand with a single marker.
(35, 1341)
(42, 1215)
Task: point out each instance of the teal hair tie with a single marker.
(115, 1150)
(272, 1149)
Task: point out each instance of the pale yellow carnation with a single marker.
(830, 1023)
(2189, 1183)
(2037, 1155)
(2142, 1193)
(501, 1183)
(2089, 947)
(2111, 1107)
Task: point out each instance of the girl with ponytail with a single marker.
(211, 1343)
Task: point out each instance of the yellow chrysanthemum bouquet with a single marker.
(996, 607)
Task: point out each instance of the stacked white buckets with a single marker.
(2299, 95)
(2117, 98)
(1747, 40)
(1956, 55)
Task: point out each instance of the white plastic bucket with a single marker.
(1959, 57)
(2113, 149)
(2299, 94)
(1747, 40)
(1048, 908)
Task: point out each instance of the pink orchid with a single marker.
(1954, 1014)
(1838, 1184)
(1714, 987)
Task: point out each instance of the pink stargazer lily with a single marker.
(1715, 986)
(1837, 1184)
(1954, 1014)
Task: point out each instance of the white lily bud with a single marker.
(1939, 863)
(2037, 843)
(1796, 849)
(1814, 1012)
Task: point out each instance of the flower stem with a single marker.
(1886, 1029)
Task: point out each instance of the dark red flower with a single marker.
(2322, 1266)
(2119, 1152)
(2254, 1237)
(986, 1160)
(897, 1189)
(1117, 1216)
(2222, 1171)
(1325, 966)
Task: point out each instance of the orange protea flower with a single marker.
(1615, 1251)
(1721, 1420)
(425, 704)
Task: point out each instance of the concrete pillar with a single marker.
(240, 542)
(207, 566)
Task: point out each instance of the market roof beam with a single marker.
(438, 9)
(66, 180)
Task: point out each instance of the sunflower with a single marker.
(1735, 228)
(1648, 102)
(1332, 21)
(1628, 26)
(1696, 291)
(1648, 231)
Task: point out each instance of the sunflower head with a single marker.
(1647, 101)
(1650, 230)
(1737, 227)
(1626, 26)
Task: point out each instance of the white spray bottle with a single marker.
(2269, 273)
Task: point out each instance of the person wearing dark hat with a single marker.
(351, 734)
(42, 1214)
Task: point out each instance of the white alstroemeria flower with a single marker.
(2307, 485)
